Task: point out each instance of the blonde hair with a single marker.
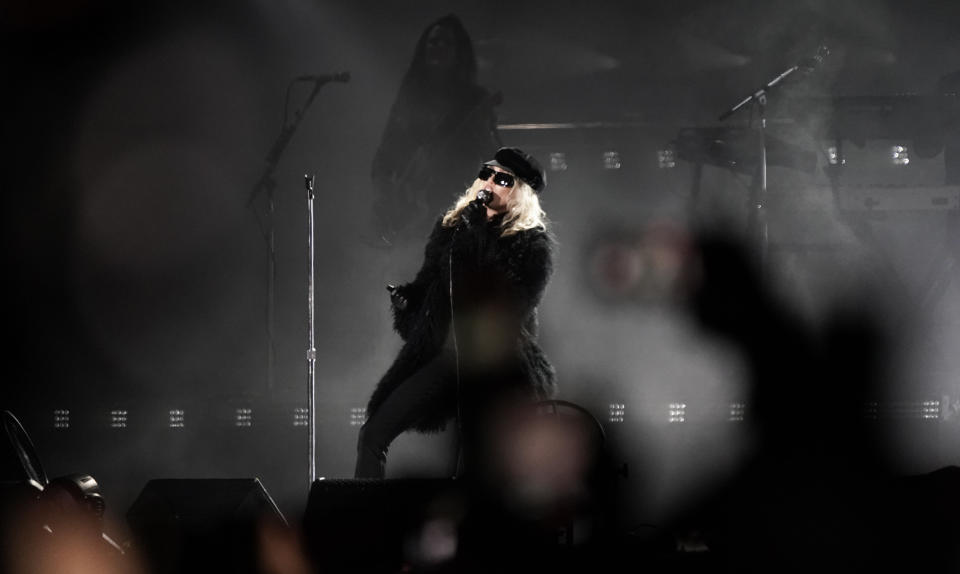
(523, 209)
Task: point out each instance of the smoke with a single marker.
(160, 265)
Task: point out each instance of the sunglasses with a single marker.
(500, 178)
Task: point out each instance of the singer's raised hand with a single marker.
(474, 214)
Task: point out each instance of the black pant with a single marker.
(401, 410)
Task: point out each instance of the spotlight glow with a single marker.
(177, 418)
(118, 419)
(358, 416)
(618, 412)
(666, 159)
(611, 160)
(737, 411)
(243, 418)
(61, 418)
(677, 412)
(300, 417)
(833, 156)
(900, 155)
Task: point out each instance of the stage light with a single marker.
(177, 418)
(678, 412)
(611, 160)
(918, 410)
(118, 419)
(358, 416)
(900, 155)
(243, 417)
(737, 411)
(930, 410)
(301, 417)
(666, 159)
(871, 410)
(61, 418)
(558, 161)
(833, 156)
(618, 412)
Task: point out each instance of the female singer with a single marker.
(468, 319)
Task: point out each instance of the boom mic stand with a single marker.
(757, 222)
(266, 184)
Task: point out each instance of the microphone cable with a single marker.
(456, 345)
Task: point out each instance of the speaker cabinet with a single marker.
(200, 525)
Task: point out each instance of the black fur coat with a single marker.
(493, 276)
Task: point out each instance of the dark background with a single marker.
(136, 271)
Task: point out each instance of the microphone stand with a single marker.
(757, 223)
(266, 184)
(308, 181)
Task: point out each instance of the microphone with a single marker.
(324, 78)
(485, 196)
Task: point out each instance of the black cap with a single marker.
(522, 164)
